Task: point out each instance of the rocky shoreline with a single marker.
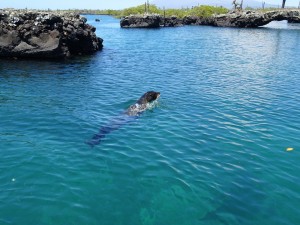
(45, 35)
(240, 19)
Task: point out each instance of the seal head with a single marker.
(141, 104)
(148, 97)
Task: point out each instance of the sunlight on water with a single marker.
(283, 25)
(153, 105)
(211, 150)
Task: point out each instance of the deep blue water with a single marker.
(212, 151)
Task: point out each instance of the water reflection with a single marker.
(282, 25)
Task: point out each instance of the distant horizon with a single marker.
(101, 5)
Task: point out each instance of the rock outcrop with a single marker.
(171, 21)
(141, 21)
(232, 19)
(255, 19)
(294, 20)
(46, 35)
(150, 21)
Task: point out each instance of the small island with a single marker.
(65, 33)
(237, 18)
(45, 35)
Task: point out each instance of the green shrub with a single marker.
(201, 11)
(207, 11)
(135, 10)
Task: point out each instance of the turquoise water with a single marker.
(212, 151)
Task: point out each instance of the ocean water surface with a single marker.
(212, 150)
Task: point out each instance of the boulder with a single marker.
(190, 20)
(171, 21)
(46, 35)
(141, 21)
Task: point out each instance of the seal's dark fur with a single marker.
(141, 104)
(131, 113)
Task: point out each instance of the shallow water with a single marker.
(212, 150)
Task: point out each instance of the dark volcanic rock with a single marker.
(141, 21)
(45, 35)
(190, 20)
(255, 19)
(232, 19)
(294, 20)
(172, 21)
(150, 21)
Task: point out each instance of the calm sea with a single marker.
(213, 150)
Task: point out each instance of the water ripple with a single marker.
(212, 151)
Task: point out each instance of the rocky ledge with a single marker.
(232, 19)
(255, 19)
(150, 21)
(155, 21)
(141, 21)
(45, 35)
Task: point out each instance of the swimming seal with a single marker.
(141, 104)
(129, 115)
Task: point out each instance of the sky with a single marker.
(95, 4)
(70, 4)
(279, 2)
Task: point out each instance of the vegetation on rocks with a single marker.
(200, 11)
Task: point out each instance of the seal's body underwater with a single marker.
(129, 115)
